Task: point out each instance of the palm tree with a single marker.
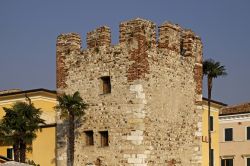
(212, 70)
(71, 106)
(18, 127)
(8, 136)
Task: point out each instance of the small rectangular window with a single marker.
(248, 161)
(10, 153)
(248, 133)
(89, 137)
(106, 84)
(227, 162)
(104, 138)
(211, 123)
(228, 134)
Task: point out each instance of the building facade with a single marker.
(43, 147)
(235, 135)
(144, 95)
(214, 121)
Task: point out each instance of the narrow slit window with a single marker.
(212, 157)
(228, 134)
(106, 84)
(104, 138)
(89, 135)
(10, 153)
(248, 133)
(211, 123)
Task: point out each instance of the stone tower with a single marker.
(144, 95)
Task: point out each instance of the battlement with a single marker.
(138, 38)
(138, 32)
(99, 37)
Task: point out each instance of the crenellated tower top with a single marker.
(137, 37)
(171, 37)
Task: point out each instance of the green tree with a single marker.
(211, 69)
(71, 107)
(18, 127)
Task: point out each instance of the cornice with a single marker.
(234, 118)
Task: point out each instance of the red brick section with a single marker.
(61, 72)
(140, 35)
(188, 43)
(99, 37)
(140, 64)
(173, 162)
(192, 47)
(67, 44)
(236, 109)
(170, 37)
(198, 78)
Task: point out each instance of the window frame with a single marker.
(105, 84)
(227, 159)
(104, 134)
(246, 159)
(248, 139)
(89, 139)
(225, 134)
(8, 151)
(211, 124)
(212, 157)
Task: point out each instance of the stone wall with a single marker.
(153, 113)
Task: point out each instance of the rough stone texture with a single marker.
(67, 44)
(153, 112)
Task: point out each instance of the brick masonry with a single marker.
(153, 113)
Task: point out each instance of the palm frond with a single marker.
(20, 121)
(213, 69)
(71, 104)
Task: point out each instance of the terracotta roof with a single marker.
(236, 109)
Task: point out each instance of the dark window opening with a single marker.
(106, 84)
(104, 138)
(89, 137)
(182, 51)
(227, 162)
(10, 153)
(211, 123)
(68, 51)
(248, 161)
(228, 134)
(212, 157)
(248, 133)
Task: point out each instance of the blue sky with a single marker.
(28, 31)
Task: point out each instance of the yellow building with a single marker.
(214, 120)
(43, 147)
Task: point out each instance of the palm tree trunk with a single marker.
(16, 151)
(22, 151)
(71, 139)
(209, 85)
